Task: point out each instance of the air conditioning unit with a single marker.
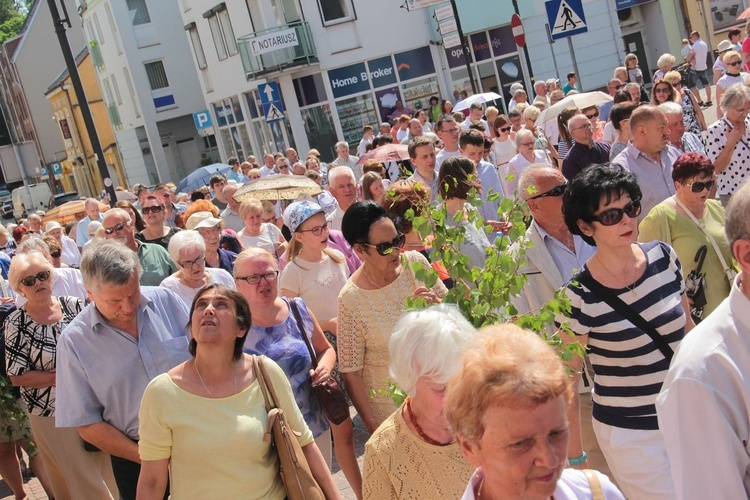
(629, 17)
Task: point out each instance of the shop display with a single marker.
(354, 114)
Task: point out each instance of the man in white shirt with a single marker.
(268, 165)
(704, 404)
(471, 146)
(415, 130)
(448, 130)
(343, 187)
(699, 50)
(540, 89)
(231, 214)
(367, 135)
(422, 157)
(475, 116)
(344, 159)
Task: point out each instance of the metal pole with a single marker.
(525, 49)
(575, 63)
(552, 49)
(75, 79)
(466, 47)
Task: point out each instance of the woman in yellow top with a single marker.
(675, 221)
(371, 302)
(202, 423)
(414, 453)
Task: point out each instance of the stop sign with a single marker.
(518, 33)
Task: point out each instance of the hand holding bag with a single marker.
(330, 394)
(298, 480)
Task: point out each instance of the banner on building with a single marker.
(274, 41)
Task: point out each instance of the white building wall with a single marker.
(38, 59)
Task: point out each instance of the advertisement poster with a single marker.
(723, 13)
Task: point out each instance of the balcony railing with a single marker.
(114, 116)
(276, 48)
(96, 55)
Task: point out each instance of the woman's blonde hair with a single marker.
(672, 77)
(250, 206)
(367, 181)
(504, 366)
(21, 262)
(253, 253)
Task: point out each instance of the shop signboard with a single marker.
(349, 80)
(510, 72)
(381, 72)
(414, 63)
(480, 46)
(502, 42)
(274, 41)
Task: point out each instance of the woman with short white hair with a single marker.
(414, 454)
(527, 155)
(188, 250)
(531, 115)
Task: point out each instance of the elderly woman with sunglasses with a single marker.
(31, 334)
(628, 305)
(733, 75)
(691, 219)
(371, 303)
(692, 114)
(188, 251)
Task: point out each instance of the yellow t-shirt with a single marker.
(215, 446)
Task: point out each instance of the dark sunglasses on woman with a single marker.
(42, 276)
(387, 247)
(697, 187)
(613, 216)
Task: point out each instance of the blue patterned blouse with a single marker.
(283, 343)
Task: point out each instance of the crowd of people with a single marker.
(166, 317)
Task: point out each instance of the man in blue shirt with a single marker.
(92, 214)
(110, 352)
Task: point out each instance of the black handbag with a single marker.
(331, 397)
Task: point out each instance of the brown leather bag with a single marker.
(331, 397)
(298, 480)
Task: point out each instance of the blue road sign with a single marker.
(270, 101)
(202, 120)
(566, 18)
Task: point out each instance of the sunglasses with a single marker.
(117, 228)
(316, 231)
(388, 247)
(152, 210)
(505, 129)
(662, 90)
(554, 192)
(697, 187)
(55, 255)
(613, 216)
(254, 279)
(594, 115)
(735, 63)
(42, 276)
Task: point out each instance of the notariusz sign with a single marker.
(274, 41)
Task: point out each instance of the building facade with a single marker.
(149, 87)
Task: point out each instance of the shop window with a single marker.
(336, 11)
(139, 12)
(221, 31)
(309, 89)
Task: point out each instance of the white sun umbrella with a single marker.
(476, 98)
(580, 101)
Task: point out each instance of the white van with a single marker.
(22, 204)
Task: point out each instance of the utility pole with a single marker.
(75, 79)
(466, 46)
(525, 50)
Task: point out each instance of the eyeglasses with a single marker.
(117, 228)
(592, 115)
(152, 210)
(582, 127)
(189, 264)
(613, 216)
(254, 279)
(42, 276)
(316, 231)
(556, 191)
(697, 187)
(735, 63)
(528, 143)
(387, 247)
(505, 129)
(662, 90)
(55, 255)
(450, 131)
(281, 167)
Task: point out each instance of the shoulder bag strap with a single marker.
(301, 326)
(594, 484)
(727, 269)
(626, 312)
(257, 361)
(272, 392)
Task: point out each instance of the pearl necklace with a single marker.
(195, 364)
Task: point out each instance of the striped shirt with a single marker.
(628, 367)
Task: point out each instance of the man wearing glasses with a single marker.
(586, 151)
(156, 232)
(110, 352)
(614, 85)
(155, 261)
(448, 131)
(551, 262)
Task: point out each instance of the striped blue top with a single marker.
(628, 367)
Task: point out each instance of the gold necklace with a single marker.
(631, 288)
(377, 287)
(195, 364)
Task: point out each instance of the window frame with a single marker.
(197, 44)
(352, 14)
(146, 65)
(222, 32)
(147, 12)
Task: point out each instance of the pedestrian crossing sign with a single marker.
(273, 113)
(566, 18)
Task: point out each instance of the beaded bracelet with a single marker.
(578, 460)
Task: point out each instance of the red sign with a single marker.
(65, 128)
(518, 34)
